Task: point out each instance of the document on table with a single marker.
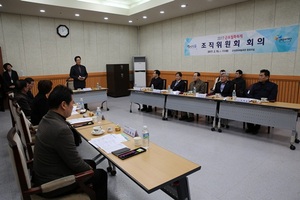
(80, 120)
(109, 143)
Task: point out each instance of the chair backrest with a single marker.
(206, 87)
(70, 83)
(19, 164)
(25, 132)
(164, 83)
(11, 108)
(186, 85)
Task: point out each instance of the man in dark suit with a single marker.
(10, 77)
(157, 83)
(239, 83)
(264, 88)
(55, 153)
(178, 84)
(78, 73)
(224, 87)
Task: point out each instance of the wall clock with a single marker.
(62, 30)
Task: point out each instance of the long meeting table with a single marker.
(92, 96)
(155, 169)
(274, 114)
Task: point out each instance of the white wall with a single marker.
(33, 47)
(163, 42)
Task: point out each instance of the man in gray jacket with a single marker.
(55, 153)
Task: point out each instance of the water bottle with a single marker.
(81, 103)
(233, 95)
(145, 133)
(152, 87)
(98, 114)
(97, 86)
(194, 90)
(169, 88)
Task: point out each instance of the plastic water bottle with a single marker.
(152, 87)
(98, 114)
(169, 88)
(145, 134)
(98, 86)
(233, 95)
(81, 103)
(194, 90)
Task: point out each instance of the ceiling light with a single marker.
(0, 5)
(130, 21)
(162, 12)
(77, 15)
(183, 6)
(42, 11)
(106, 18)
(145, 17)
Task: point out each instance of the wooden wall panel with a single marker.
(288, 86)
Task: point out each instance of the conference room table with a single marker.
(91, 96)
(155, 169)
(273, 114)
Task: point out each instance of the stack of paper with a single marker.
(109, 143)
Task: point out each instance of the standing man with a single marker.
(264, 88)
(239, 83)
(200, 88)
(78, 73)
(55, 153)
(157, 83)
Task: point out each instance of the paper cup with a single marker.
(137, 141)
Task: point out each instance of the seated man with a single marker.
(22, 98)
(200, 88)
(157, 83)
(178, 84)
(224, 86)
(264, 88)
(239, 83)
(55, 153)
(218, 79)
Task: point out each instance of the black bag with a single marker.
(76, 134)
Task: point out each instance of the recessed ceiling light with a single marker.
(0, 5)
(42, 11)
(162, 12)
(130, 21)
(183, 6)
(145, 17)
(77, 15)
(106, 18)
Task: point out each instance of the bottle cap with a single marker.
(145, 127)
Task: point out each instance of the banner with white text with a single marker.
(283, 39)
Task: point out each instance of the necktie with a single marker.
(79, 68)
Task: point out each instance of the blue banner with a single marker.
(284, 39)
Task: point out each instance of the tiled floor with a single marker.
(235, 165)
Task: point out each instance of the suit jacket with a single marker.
(267, 89)
(75, 73)
(10, 80)
(227, 91)
(179, 87)
(55, 153)
(157, 83)
(40, 107)
(24, 102)
(240, 86)
(199, 85)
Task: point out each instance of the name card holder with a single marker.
(130, 131)
(201, 95)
